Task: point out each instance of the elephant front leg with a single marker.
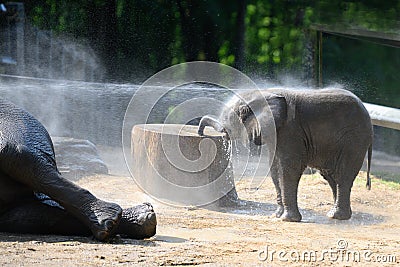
(289, 185)
(275, 178)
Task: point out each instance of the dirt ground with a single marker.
(246, 235)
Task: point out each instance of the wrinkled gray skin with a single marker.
(34, 198)
(329, 130)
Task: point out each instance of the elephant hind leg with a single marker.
(345, 173)
(341, 196)
(43, 217)
(34, 217)
(341, 209)
(332, 183)
(349, 161)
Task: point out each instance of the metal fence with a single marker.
(384, 116)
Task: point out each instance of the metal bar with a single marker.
(384, 116)
(387, 38)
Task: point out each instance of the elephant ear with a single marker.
(266, 107)
(278, 109)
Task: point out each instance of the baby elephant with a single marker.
(328, 129)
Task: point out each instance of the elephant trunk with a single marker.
(209, 121)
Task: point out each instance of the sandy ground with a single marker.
(246, 235)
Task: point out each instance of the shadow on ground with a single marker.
(71, 240)
(247, 207)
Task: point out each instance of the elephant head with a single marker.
(252, 115)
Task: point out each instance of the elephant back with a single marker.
(19, 129)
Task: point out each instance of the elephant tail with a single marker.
(368, 185)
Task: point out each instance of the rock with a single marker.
(77, 158)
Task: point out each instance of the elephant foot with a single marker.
(278, 212)
(103, 217)
(138, 222)
(340, 214)
(291, 216)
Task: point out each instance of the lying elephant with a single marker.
(35, 199)
(329, 130)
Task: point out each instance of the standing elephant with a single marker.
(34, 198)
(328, 129)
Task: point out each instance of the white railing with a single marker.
(384, 116)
